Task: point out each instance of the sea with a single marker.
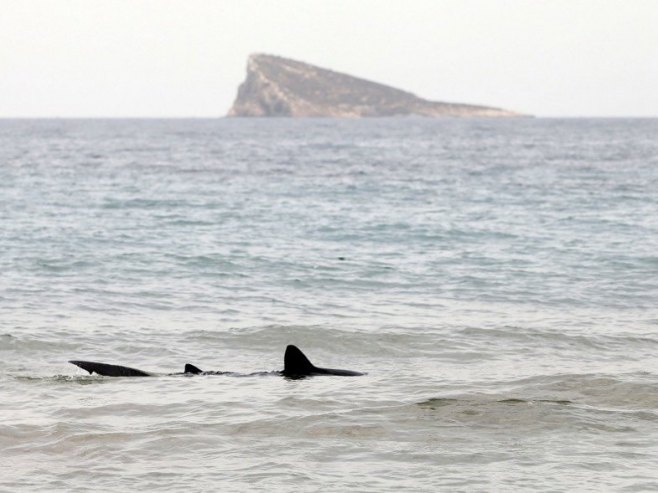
(496, 280)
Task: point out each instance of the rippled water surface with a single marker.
(496, 279)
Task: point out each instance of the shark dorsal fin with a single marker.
(192, 369)
(296, 363)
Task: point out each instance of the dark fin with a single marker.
(192, 369)
(296, 363)
(109, 370)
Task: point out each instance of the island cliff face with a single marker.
(281, 87)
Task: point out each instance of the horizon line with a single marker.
(401, 117)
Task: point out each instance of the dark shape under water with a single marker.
(295, 365)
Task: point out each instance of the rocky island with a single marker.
(280, 87)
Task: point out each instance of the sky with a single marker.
(186, 58)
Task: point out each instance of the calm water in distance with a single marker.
(496, 279)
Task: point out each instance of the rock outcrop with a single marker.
(280, 87)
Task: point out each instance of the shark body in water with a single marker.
(295, 365)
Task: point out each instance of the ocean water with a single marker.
(496, 279)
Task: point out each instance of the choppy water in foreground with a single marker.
(497, 280)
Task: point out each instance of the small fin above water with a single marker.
(192, 369)
(109, 370)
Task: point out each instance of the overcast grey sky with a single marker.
(61, 58)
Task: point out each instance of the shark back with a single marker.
(295, 365)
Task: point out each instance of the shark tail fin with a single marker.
(109, 370)
(191, 369)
